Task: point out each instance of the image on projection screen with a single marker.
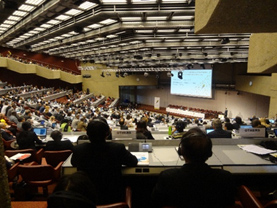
(194, 83)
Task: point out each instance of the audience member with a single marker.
(238, 123)
(122, 124)
(57, 144)
(103, 161)
(27, 138)
(179, 130)
(142, 131)
(6, 135)
(218, 131)
(66, 125)
(73, 191)
(195, 184)
(82, 126)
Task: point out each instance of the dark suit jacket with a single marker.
(220, 133)
(56, 146)
(27, 139)
(103, 163)
(194, 186)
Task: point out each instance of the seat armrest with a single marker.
(128, 196)
(57, 171)
(271, 204)
(114, 205)
(39, 155)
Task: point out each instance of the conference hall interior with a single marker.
(190, 60)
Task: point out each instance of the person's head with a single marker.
(256, 123)
(98, 130)
(227, 120)
(21, 119)
(73, 191)
(228, 126)
(196, 147)
(238, 120)
(56, 135)
(180, 125)
(26, 126)
(217, 124)
(141, 125)
(121, 121)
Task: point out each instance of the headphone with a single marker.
(98, 120)
(58, 198)
(194, 135)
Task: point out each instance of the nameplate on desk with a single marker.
(128, 134)
(252, 132)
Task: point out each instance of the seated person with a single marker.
(73, 191)
(66, 125)
(82, 126)
(6, 134)
(57, 144)
(142, 131)
(27, 138)
(195, 184)
(238, 123)
(103, 162)
(122, 124)
(218, 131)
(179, 130)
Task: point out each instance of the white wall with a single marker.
(245, 104)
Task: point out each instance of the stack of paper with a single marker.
(20, 156)
(256, 149)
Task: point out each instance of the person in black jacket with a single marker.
(27, 139)
(195, 184)
(57, 144)
(103, 161)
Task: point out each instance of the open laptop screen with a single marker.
(41, 132)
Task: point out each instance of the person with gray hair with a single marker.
(218, 131)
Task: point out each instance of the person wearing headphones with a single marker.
(195, 184)
(103, 161)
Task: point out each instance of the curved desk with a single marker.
(226, 155)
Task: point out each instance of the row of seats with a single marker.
(246, 199)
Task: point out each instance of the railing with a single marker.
(26, 60)
(37, 92)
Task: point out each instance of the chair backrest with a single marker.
(11, 153)
(55, 157)
(36, 173)
(247, 198)
(35, 155)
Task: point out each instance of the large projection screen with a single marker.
(192, 83)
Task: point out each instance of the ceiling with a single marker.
(126, 34)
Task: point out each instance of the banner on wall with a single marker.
(157, 103)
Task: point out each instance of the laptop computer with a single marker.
(40, 132)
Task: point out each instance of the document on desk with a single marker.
(143, 157)
(20, 156)
(256, 149)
